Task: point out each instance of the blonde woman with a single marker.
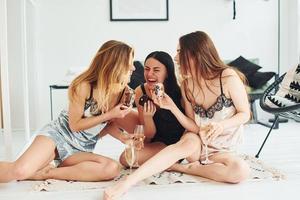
(69, 140)
(215, 99)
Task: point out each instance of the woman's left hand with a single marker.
(119, 111)
(215, 129)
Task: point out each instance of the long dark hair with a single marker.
(171, 85)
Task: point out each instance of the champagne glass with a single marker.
(205, 127)
(207, 161)
(130, 154)
(139, 137)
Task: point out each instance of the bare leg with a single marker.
(188, 145)
(39, 175)
(226, 168)
(149, 150)
(129, 121)
(83, 167)
(36, 157)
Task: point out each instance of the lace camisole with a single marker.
(222, 109)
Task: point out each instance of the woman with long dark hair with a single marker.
(161, 127)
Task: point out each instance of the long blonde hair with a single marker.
(108, 72)
(199, 47)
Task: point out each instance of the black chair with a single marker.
(286, 111)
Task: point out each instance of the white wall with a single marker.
(33, 68)
(69, 32)
(15, 63)
(298, 35)
(290, 24)
(293, 34)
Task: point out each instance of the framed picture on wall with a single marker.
(139, 10)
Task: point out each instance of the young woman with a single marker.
(214, 95)
(69, 140)
(161, 127)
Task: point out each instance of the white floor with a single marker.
(281, 151)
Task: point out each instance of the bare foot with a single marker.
(116, 191)
(42, 173)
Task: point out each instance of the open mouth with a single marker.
(151, 81)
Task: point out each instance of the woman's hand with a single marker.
(119, 111)
(165, 102)
(149, 109)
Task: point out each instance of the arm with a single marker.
(238, 94)
(145, 117)
(76, 110)
(113, 130)
(236, 91)
(187, 119)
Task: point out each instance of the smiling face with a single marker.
(155, 72)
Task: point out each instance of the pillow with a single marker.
(276, 101)
(290, 86)
(288, 94)
(245, 66)
(259, 79)
(137, 77)
(295, 84)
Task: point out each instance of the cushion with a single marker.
(137, 77)
(288, 94)
(245, 66)
(276, 101)
(290, 86)
(259, 79)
